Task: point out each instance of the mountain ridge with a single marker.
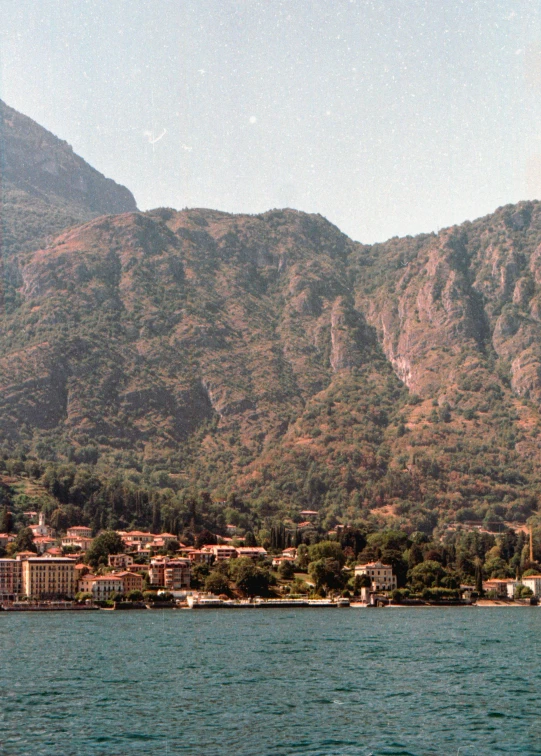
(272, 358)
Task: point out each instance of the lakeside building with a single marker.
(381, 575)
(504, 588)
(131, 581)
(48, 577)
(173, 574)
(11, 579)
(534, 583)
(104, 586)
(84, 583)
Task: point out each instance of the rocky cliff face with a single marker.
(470, 293)
(45, 186)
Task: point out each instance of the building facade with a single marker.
(381, 575)
(11, 579)
(49, 577)
(79, 531)
(122, 561)
(131, 581)
(104, 586)
(534, 583)
(173, 574)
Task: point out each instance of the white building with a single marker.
(41, 529)
(381, 575)
(105, 586)
(534, 583)
(251, 552)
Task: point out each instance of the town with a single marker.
(137, 569)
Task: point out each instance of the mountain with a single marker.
(46, 187)
(272, 357)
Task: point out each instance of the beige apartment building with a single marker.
(49, 577)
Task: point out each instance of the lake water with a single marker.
(252, 682)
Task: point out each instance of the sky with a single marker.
(388, 117)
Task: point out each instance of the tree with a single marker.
(200, 573)
(362, 581)
(205, 537)
(286, 570)
(522, 592)
(327, 550)
(135, 595)
(354, 539)
(25, 540)
(479, 576)
(326, 573)
(415, 555)
(105, 544)
(59, 519)
(426, 575)
(251, 580)
(249, 539)
(6, 521)
(216, 583)
(303, 558)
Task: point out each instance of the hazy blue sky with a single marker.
(388, 117)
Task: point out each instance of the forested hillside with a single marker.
(273, 358)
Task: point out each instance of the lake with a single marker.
(419, 681)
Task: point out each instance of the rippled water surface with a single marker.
(313, 681)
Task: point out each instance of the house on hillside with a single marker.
(251, 552)
(41, 529)
(123, 561)
(79, 531)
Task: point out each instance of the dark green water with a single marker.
(402, 681)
